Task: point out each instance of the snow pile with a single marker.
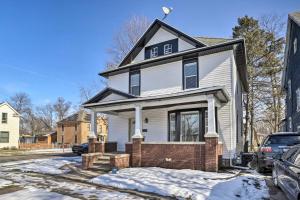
(44, 166)
(186, 183)
(4, 183)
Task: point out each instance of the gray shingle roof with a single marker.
(79, 116)
(210, 41)
(296, 17)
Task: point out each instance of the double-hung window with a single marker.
(154, 52)
(134, 83)
(298, 99)
(4, 118)
(190, 74)
(167, 49)
(4, 137)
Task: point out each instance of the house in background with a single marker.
(290, 75)
(181, 94)
(9, 126)
(75, 128)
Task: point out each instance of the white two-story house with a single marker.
(172, 87)
(9, 126)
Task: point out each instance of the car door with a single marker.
(287, 181)
(294, 172)
(284, 176)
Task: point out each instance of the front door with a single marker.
(189, 126)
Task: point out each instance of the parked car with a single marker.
(286, 173)
(80, 149)
(272, 146)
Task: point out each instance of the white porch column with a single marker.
(93, 125)
(138, 122)
(211, 104)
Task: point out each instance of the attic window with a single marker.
(295, 45)
(154, 52)
(167, 49)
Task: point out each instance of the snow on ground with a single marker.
(41, 186)
(186, 183)
(35, 194)
(44, 166)
(57, 150)
(4, 183)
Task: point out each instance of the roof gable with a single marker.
(7, 104)
(109, 94)
(150, 33)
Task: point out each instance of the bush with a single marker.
(5, 148)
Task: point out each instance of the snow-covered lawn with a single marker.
(35, 194)
(44, 166)
(45, 187)
(56, 150)
(186, 183)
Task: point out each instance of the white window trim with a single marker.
(295, 45)
(168, 49)
(289, 89)
(290, 124)
(154, 52)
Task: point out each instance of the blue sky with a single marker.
(49, 48)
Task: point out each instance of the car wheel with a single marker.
(275, 178)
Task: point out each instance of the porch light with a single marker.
(146, 120)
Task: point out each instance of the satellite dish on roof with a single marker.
(166, 10)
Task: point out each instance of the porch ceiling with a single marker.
(193, 96)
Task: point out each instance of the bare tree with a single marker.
(126, 38)
(22, 103)
(61, 108)
(46, 115)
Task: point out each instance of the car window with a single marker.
(288, 156)
(288, 140)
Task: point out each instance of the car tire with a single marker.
(275, 178)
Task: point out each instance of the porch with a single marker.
(174, 131)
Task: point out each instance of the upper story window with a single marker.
(62, 127)
(162, 48)
(298, 99)
(154, 52)
(4, 118)
(190, 74)
(289, 89)
(75, 127)
(295, 45)
(134, 83)
(167, 49)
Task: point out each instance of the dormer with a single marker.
(160, 39)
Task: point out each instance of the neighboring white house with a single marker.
(172, 87)
(9, 126)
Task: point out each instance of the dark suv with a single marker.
(273, 146)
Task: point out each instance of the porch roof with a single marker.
(185, 97)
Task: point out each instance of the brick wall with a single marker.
(176, 155)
